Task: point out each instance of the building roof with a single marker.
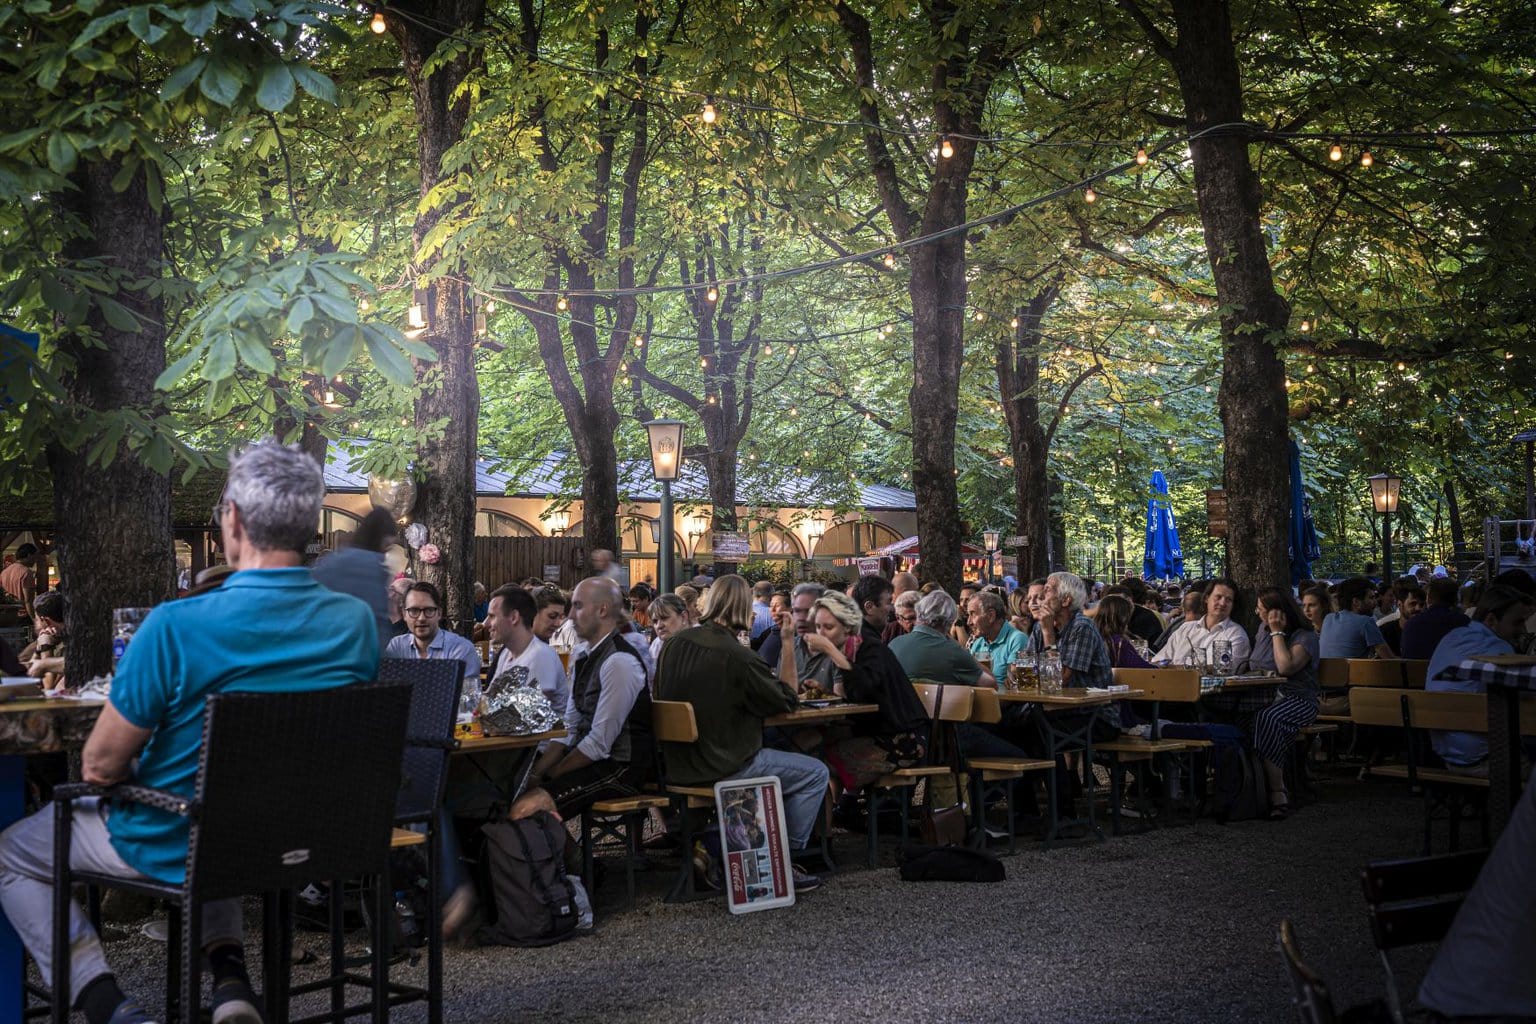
(559, 475)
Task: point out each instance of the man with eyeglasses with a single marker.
(427, 639)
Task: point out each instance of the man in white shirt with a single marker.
(524, 659)
(1195, 640)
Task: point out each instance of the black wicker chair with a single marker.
(290, 787)
(434, 689)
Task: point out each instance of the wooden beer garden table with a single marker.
(829, 713)
(1067, 734)
(34, 726)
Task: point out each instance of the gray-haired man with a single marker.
(272, 616)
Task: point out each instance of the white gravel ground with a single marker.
(1174, 925)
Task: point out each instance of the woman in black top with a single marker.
(868, 673)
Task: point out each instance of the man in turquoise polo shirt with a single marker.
(271, 628)
(995, 637)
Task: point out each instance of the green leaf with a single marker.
(302, 312)
(182, 78)
(199, 20)
(276, 89)
(221, 358)
(339, 350)
(388, 359)
(118, 315)
(16, 140)
(314, 83)
(336, 309)
(221, 83)
(255, 353)
(57, 296)
(178, 369)
(61, 154)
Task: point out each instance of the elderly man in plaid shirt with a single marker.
(1084, 657)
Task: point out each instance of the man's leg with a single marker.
(804, 783)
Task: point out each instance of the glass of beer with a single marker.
(564, 650)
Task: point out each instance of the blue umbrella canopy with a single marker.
(1303, 548)
(1163, 558)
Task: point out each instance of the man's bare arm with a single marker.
(111, 748)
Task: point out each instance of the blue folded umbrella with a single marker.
(1303, 546)
(1163, 558)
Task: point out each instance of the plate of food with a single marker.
(812, 696)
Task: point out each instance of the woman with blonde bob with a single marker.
(866, 671)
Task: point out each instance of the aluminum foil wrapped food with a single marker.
(517, 711)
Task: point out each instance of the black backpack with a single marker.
(921, 863)
(1241, 793)
(535, 901)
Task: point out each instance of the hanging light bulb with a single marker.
(1151, 330)
(791, 350)
(562, 304)
(490, 306)
(1014, 323)
(889, 259)
(711, 399)
(1089, 195)
(946, 148)
(708, 114)
(1306, 325)
(712, 295)
(364, 305)
(1141, 155)
(768, 349)
(794, 411)
(1366, 159)
(704, 364)
(979, 316)
(377, 24)
(1335, 152)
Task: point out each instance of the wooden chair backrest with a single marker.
(1402, 673)
(673, 721)
(1180, 685)
(1333, 673)
(986, 709)
(957, 701)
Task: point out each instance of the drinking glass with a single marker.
(1221, 657)
(125, 623)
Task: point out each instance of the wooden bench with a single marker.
(1414, 711)
(1160, 686)
(400, 838)
(621, 818)
(997, 775)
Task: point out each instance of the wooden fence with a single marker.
(501, 560)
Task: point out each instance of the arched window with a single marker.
(336, 520)
(492, 523)
(854, 539)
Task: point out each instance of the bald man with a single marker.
(607, 751)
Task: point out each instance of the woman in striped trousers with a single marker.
(1286, 644)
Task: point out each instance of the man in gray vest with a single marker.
(608, 750)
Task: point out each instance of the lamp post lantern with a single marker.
(666, 437)
(1385, 488)
(989, 540)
